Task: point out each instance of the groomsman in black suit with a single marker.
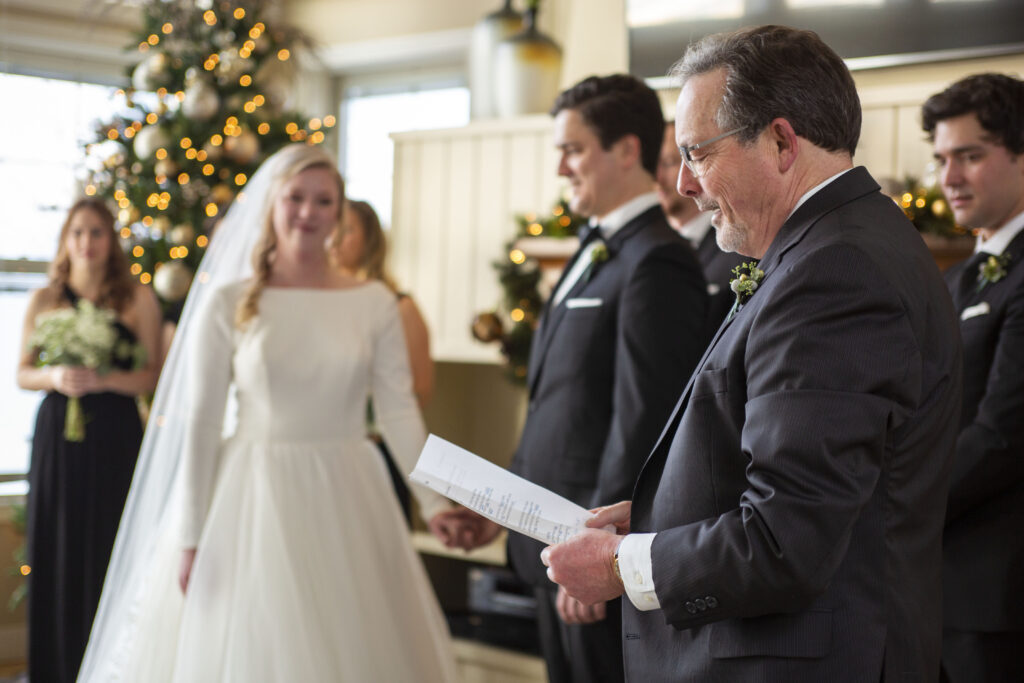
(695, 225)
(616, 343)
(787, 526)
(977, 128)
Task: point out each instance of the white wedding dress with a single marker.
(304, 571)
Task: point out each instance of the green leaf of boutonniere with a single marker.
(992, 270)
(748, 278)
(598, 255)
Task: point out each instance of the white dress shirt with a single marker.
(997, 243)
(609, 224)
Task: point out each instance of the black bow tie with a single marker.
(587, 233)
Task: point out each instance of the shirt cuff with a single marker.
(637, 572)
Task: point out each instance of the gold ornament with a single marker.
(172, 280)
(221, 194)
(487, 327)
(243, 148)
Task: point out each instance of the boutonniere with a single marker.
(992, 270)
(748, 277)
(598, 255)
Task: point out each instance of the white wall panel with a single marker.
(457, 192)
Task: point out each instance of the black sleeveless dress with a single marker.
(76, 494)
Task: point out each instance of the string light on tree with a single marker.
(217, 78)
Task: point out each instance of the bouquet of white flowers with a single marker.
(83, 336)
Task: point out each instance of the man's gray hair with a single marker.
(779, 72)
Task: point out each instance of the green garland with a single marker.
(513, 323)
(927, 209)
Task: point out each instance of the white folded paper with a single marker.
(497, 494)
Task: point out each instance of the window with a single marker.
(43, 126)
(367, 157)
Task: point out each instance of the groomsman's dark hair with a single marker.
(997, 100)
(615, 106)
(779, 72)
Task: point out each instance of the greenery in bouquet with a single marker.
(512, 324)
(83, 336)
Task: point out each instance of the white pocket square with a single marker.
(583, 303)
(976, 310)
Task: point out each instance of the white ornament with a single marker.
(151, 72)
(201, 100)
(149, 139)
(171, 280)
(231, 66)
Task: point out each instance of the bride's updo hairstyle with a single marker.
(300, 157)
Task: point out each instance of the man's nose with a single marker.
(951, 173)
(687, 183)
(563, 167)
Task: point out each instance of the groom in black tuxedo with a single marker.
(977, 127)
(787, 526)
(617, 341)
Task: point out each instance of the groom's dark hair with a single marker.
(996, 100)
(615, 106)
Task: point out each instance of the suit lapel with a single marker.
(664, 440)
(852, 185)
(965, 289)
(553, 315)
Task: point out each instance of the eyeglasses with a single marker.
(690, 161)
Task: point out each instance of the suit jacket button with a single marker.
(701, 604)
(690, 607)
(711, 601)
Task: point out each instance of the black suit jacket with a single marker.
(984, 537)
(799, 488)
(717, 265)
(603, 378)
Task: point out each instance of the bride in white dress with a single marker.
(296, 562)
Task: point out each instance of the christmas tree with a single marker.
(209, 102)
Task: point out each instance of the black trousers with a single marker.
(582, 653)
(973, 657)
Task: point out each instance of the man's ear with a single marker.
(627, 150)
(785, 142)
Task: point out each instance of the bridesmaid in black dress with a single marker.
(77, 489)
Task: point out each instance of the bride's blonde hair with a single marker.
(305, 157)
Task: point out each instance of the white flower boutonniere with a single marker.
(748, 278)
(992, 270)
